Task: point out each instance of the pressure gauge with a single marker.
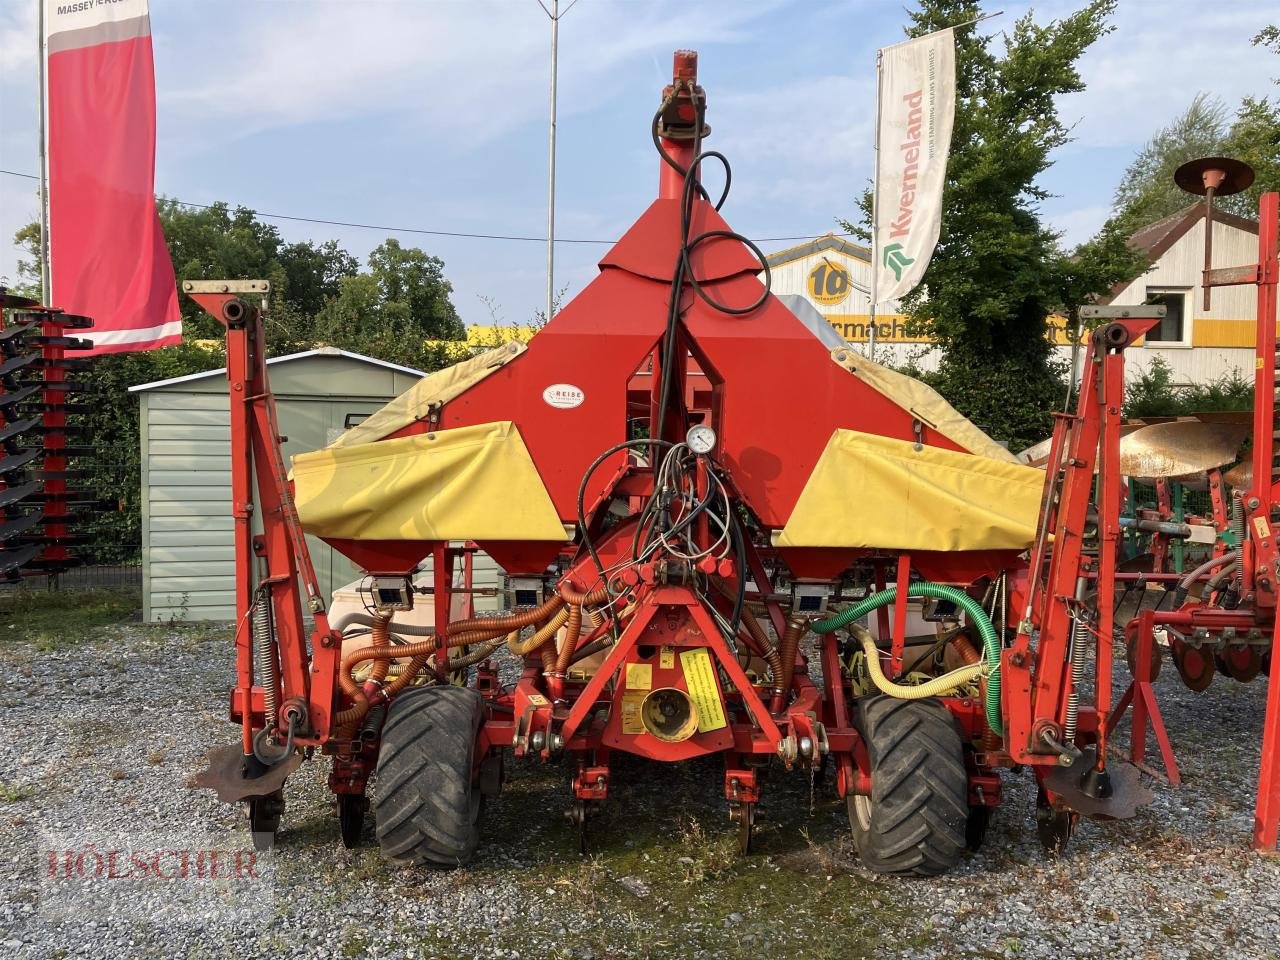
(701, 439)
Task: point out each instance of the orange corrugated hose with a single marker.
(511, 621)
(573, 628)
(544, 633)
(769, 651)
(461, 634)
(969, 655)
(589, 599)
(797, 627)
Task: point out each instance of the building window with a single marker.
(1172, 328)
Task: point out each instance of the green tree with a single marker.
(400, 310)
(390, 312)
(998, 271)
(1254, 137)
(27, 282)
(1147, 192)
(216, 242)
(1206, 128)
(1269, 37)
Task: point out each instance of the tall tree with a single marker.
(1254, 137)
(218, 242)
(400, 310)
(390, 312)
(1269, 37)
(1207, 128)
(998, 271)
(1147, 192)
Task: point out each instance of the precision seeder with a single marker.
(724, 532)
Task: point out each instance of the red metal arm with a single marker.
(278, 560)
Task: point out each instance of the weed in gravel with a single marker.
(705, 857)
(13, 792)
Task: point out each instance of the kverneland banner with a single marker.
(107, 251)
(917, 105)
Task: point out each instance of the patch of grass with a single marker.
(56, 620)
(664, 832)
(13, 792)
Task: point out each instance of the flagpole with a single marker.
(44, 165)
(554, 14)
(875, 222)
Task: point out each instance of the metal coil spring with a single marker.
(1242, 534)
(264, 655)
(1079, 640)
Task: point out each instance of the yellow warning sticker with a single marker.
(1262, 527)
(639, 676)
(631, 702)
(700, 678)
(538, 700)
(667, 658)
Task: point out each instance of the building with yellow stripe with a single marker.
(1199, 345)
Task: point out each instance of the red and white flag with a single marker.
(108, 257)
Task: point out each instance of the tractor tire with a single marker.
(913, 824)
(426, 804)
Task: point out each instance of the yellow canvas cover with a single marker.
(468, 483)
(871, 491)
(922, 402)
(430, 392)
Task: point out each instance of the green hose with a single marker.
(978, 616)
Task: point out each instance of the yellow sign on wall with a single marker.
(829, 283)
(856, 328)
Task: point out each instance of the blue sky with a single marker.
(432, 114)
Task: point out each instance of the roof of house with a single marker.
(1155, 238)
(287, 358)
(821, 244)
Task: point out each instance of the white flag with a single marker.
(913, 136)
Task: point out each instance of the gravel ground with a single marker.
(106, 730)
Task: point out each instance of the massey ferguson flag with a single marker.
(917, 105)
(107, 251)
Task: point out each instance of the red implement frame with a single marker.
(306, 679)
(1038, 688)
(1261, 551)
(1141, 696)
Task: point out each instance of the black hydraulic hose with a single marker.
(582, 494)
(1220, 577)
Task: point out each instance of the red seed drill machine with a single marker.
(723, 532)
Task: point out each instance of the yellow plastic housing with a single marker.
(872, 491)
(468, 483)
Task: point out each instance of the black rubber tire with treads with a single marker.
(914, 821)
(425, 802)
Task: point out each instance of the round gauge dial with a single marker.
(701, 439)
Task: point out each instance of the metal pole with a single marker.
(44, 171)
(875, 232)
(554, 14)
